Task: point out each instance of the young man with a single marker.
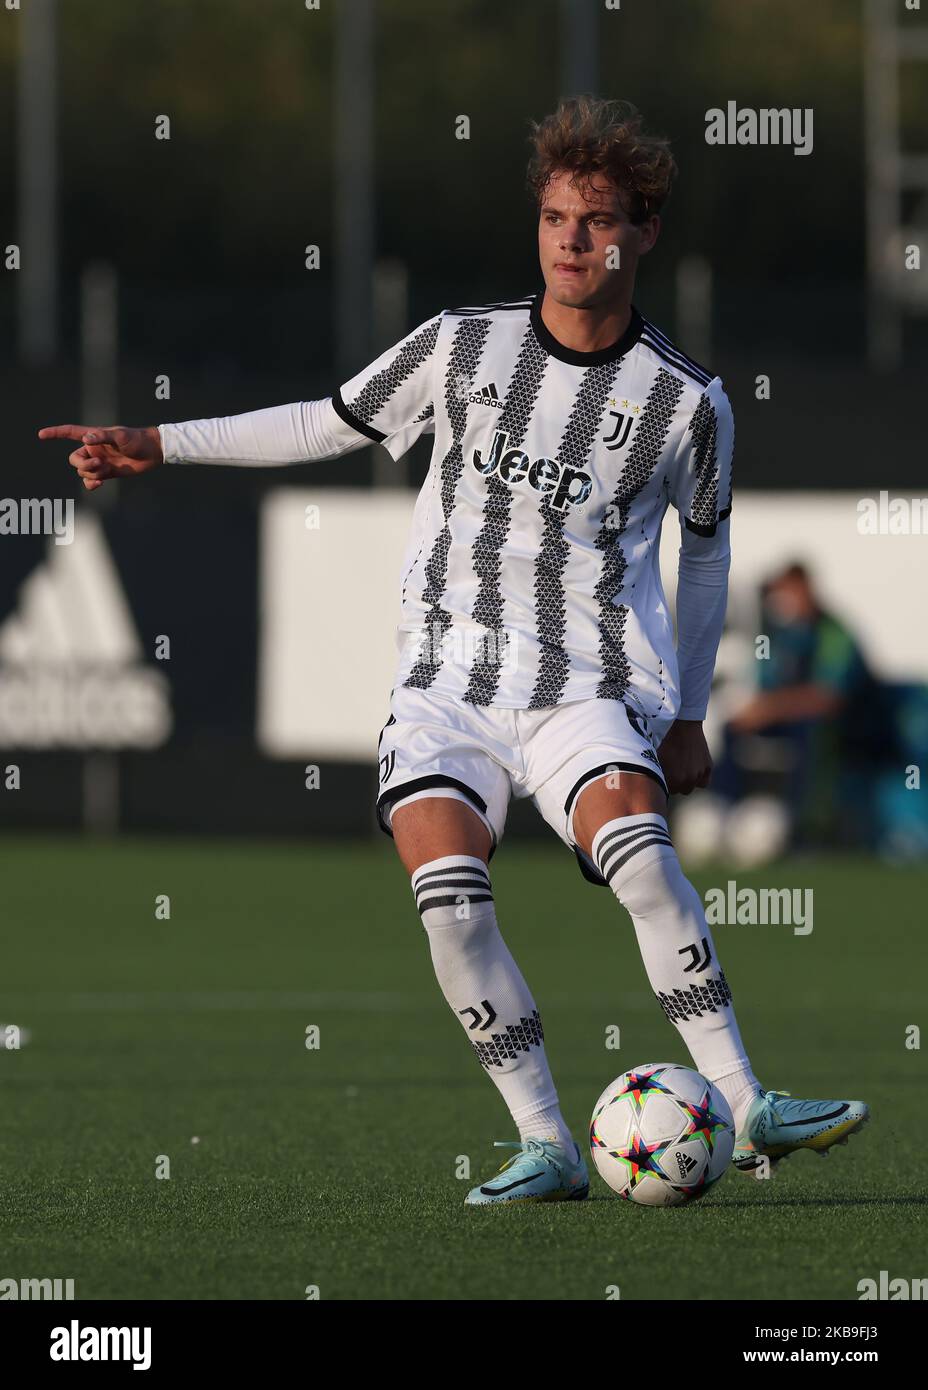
(539, 657)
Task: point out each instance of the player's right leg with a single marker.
(446, 811)
(445, 847)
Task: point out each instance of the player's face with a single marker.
(587, 243)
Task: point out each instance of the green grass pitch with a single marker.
(337, 1167)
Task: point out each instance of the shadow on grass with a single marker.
(784, 1202)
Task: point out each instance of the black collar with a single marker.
(583, 359)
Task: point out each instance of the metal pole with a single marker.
(354, 183)
(99, 336)
(99, 347)
(391, 314)
(694, 307)
(36, 121)
(579, 47)
(881, 120)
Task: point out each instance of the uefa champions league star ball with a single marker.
(661, 1135)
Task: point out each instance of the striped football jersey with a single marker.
(531, 576)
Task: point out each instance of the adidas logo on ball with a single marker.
(685, 1164)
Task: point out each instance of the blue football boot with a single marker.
(776, 1126)
(541, 1171)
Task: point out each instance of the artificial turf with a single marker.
(338, 1167)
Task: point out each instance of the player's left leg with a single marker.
(620, 823)
(596, 778)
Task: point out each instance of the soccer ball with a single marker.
(661, 1135)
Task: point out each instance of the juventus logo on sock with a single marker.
(482, 1017)
(697, 964)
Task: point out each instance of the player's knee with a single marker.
(637, 859)
(604, 801)
(428, 828)
(454, 891)
(647, 887)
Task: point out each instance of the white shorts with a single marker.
(432, 745)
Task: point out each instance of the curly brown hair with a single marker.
(590, 135)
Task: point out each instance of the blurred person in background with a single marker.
(821, 720)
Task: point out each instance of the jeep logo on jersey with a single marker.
(570, 486)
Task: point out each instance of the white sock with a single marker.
(485, 988)
(635, 856)
(740, 1089)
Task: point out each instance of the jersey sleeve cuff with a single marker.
(168, 436)
(347, 417)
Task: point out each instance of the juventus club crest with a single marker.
(623, 423)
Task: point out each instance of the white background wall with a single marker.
(330, 600)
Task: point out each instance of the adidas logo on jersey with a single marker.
(571, 487)
(487, 395)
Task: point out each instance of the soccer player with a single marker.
(537, 655)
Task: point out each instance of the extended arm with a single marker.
(279, 435)
(270, 438)
(389, 402)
